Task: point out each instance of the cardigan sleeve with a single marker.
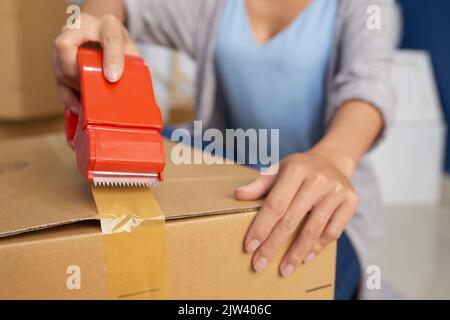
(170, 23)
(364, 56)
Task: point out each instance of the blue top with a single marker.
(279, 84)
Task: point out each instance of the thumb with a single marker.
(256, 189)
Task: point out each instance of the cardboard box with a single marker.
(27, 31)
(49, 224)
(182, 111)
(17, 129)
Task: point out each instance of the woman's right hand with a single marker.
(110, 33)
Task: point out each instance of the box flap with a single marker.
(40, 187)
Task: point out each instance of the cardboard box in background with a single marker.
(27, 31)
(182, 111)
(17, 129)
(49, 224)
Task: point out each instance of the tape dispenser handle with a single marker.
(71, 118)
(71, 124)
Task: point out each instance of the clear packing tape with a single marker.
(134, 240)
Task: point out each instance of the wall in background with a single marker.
(427, 26)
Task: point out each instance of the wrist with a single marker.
(341, 159)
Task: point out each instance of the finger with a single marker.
(330, 205)
(309, 235)
(333, 230)
(306, 197)
(340, 219)
(317, 248)
(68, 42)
(112, 40)
(70, 83)
(274, 207)
(66, 53)
(69, 98)
(256, 189)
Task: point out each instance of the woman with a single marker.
(314, 69)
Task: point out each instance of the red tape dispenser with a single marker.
(117, 133)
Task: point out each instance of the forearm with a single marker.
(100, 8)
(352, 131)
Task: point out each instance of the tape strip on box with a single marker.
(135, 245)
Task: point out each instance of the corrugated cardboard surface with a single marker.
(27, 31)
(41, 189)
(43, 173)
(18, 129)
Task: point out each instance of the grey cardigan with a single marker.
(358, 70)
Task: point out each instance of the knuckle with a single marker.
(306, 202)
(294, 169)
(318, 178)
(86, 15)
(260, 234)
(313, 231)
(352, 196)
(109, 19)
(267, 249)
(112, 38)
(294, 256)
(320, 245)
(321, 217)
(333, 233)
(336, 188)
(61, 43)
(288, 223)
(275, 207)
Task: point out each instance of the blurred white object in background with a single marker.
(173, 75)
(158, 60)
(409, 163)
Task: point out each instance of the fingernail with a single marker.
(252, 245)
(287, 270)
(260, 264)
(112, 73)
(310, 257)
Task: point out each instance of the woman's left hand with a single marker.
(314, 187)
